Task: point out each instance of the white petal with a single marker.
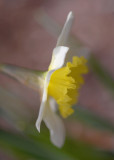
(56, 127)
(66, 30)
(58, 57)
(48, 115)
(53, 104)
(44, 101)
(42, 110)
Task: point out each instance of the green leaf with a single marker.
(38, 147)
(30, 148)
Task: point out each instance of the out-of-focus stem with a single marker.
(32, 78)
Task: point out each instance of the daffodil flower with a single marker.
(61, 85)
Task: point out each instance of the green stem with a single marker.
(32, 78)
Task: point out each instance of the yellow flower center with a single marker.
(65, 83)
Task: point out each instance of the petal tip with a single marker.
(58, 141)
(70, 15)
(58, 144)
(38, 126)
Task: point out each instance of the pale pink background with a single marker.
(25, 43)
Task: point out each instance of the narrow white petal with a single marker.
(42, 110)
(66, 30)
(58, 57)
(51, 119)
(55, 125)
(44, 101)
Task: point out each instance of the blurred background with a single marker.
(28, 34)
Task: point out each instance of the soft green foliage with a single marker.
(38, 147)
